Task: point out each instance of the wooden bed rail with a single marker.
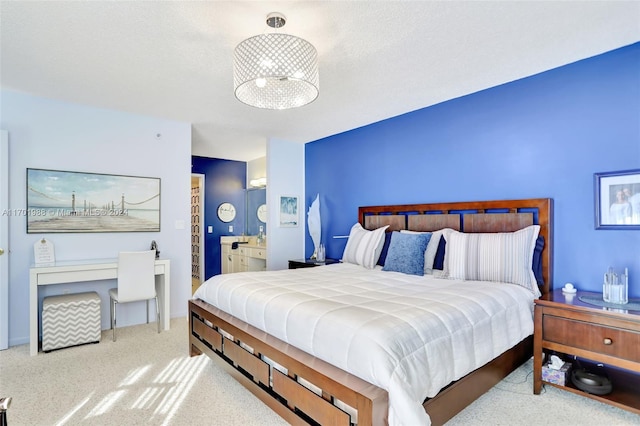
(241, 350)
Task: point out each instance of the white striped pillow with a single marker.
(501, 257)
(363, 246)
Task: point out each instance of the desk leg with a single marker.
(166, 303)
(33, 313)
(163, 289)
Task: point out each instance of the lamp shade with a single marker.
(275, 71)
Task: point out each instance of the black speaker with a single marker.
(591, 382)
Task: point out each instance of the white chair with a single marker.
(136, 281)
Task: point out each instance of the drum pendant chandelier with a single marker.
(274, 70)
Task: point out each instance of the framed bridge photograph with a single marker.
(65, 201)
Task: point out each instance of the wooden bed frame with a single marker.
(306, 390)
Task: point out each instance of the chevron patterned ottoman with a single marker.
(70, 319)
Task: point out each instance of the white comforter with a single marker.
(406, 334)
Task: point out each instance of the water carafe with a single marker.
(320, 255)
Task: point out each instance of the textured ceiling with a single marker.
(377, 59)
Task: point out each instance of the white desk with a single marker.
(89, 270)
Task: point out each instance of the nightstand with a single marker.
(310, 263)
(570, 327)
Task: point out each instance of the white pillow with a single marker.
(363, 246)
(500, 257)
(432, 249)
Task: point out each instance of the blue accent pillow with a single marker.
(438, 262)
(406, 253)
(385, 248)
(537, 260)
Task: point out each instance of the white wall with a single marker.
(51, 134)
(4, 240)
(285, 176)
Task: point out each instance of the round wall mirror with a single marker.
(262, 213)
(226, 212)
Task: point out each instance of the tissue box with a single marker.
(557, 377)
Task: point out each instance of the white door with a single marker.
(4, 239)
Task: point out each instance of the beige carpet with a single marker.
(148, 378)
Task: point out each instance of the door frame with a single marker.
(4, 239)
(201, 179)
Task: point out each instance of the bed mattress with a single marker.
(410, 335)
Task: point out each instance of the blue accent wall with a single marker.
(538, 137)
(225, 181)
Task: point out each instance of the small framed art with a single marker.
(288, 211)
(617, 199)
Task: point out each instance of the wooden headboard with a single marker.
(474, 216)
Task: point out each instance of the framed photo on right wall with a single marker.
(617, 199)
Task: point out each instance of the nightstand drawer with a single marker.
(617, 342)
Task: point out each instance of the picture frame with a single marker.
(617, 199)
(288, 208)
(82, 202)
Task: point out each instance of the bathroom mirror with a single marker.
(262, 213)
(256, 205)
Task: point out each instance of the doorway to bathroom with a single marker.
(197, 230)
